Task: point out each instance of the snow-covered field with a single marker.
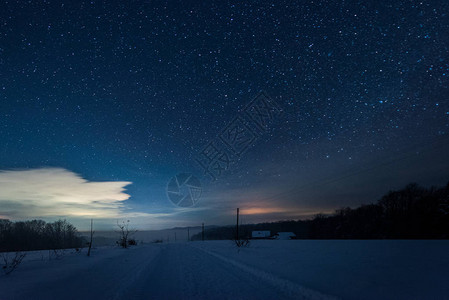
(300, 269)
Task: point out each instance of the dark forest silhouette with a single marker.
(37, 235)
(411, 213)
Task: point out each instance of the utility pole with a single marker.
(202, 233)
(188, 234)
(91, 236)
(237, 227)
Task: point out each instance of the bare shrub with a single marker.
(10, 263)
(55, 253)
(239, 241)
(125, 233)
(242, 242)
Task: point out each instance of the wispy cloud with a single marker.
(56, 192)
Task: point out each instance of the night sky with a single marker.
(103, 102)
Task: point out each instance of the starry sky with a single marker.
(103, 102)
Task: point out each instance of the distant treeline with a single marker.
(37, 235)
(411, 213)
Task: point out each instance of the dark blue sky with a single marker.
(132, 91)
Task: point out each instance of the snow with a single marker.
(290, 269)
(284, 235)
(352, 269)
(261, 234)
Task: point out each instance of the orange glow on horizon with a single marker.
(288, 211)
(262, 210)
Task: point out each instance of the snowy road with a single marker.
(184, 272)
(303, 269)
(171, 271)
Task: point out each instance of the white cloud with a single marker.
(57, 192)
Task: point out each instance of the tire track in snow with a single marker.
(182, 272)
(287, 287)
(133, 275)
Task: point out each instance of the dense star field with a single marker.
(133, 92)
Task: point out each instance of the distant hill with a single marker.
(105, 238)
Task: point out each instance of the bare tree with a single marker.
(11, 263)
(125, 233)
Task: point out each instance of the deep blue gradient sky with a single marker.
(132, 91)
